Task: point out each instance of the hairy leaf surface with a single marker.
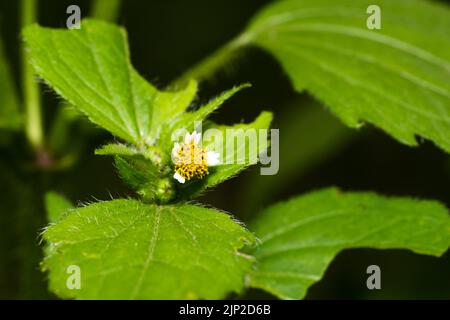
(91, 68)
(129, 250)
(300, 237)
(397, 77)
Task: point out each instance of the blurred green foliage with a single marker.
(167, 38)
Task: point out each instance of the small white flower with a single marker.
(197, 137)
(190, 159)
(175, 149)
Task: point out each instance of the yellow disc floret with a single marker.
(191, 160)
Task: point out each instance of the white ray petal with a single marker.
(187, 138)
(196, 137)
(175, 149)
(179, 178)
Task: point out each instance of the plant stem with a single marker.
(31, 93)
(207, 67)
(106, 9)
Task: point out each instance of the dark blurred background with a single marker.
(166, 38)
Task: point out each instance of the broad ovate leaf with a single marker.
(299, 238)
(396, 77)
(91, 68)
(125, 249)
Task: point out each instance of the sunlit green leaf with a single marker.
(91, 68)
(112, 149)
(397, 78)
(300, 237)
(126, 249)
(189, 120)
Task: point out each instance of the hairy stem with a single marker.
(31, 93)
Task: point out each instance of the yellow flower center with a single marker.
(190, 161)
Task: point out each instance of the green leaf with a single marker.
(91, 68)
(225, 171)
(126, 249)
(10, 117)
(188, 120)
(141, 175)
(397, 78)
(299, 238)
(204, 111)
(142, 170)
(113, 149)
(56, 205)
(170, 105)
